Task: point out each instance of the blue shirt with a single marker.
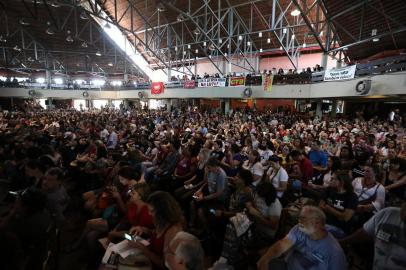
(217, 182)
(308, 254)
(318, 158)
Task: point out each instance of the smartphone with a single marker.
(136, 238)
(128, 236)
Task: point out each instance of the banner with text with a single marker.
(339, 74)
(237, 81)
(253, 80)
(212, 82)
(189, 84)
(268, 83)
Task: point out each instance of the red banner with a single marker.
(237, 81)
(157, 88)
(189, 84)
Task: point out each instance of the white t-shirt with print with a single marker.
(276, 177)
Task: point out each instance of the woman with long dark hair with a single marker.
(168, 221)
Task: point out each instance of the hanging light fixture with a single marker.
(260, 50)
(54, 4)
(212, 47)
(17, 48)
(239, 37)
(248, 43)
(196, 51)
(204, 44)
(98, 53)
(84, 44)
(69, 38)
(110, 64)
(260, 34)
(83, 15)
(225, 54)
(196, 31)
(373, 33)
(220, 41)
(268, 40)
(284, 30)
(293, 36)
(50, 30)
(280, 48)
(24, 22)
(188, 46)
(180, 18)
(3, 39)
(295, 12)
(161, 7)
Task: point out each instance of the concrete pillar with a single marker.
(226, 105)
(319, 111)
(169, 71)
(48, 77)
(324, 58)
(334, 108)
(125, 104)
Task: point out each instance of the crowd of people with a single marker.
(244, 190)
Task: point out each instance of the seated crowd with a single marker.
(246, 190)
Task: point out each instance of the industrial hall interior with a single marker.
(203, 134)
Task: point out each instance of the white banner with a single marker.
(212, 82)
(339, 74)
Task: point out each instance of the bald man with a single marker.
(308, 244)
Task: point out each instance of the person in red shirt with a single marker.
(305, 166)
(137, 212)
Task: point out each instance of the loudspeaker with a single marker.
(47, 102)
(247, 92)
(363, 87)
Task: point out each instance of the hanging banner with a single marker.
(189, 84)
(237, 81)
(339, 74)
(212, 82)
(268, 83)
(253, 80)
(157, 88)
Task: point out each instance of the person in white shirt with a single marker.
(112, 139)
(370, 193)
(277, 175)
(253, 164)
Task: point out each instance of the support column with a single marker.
(324, 58)
(125, 77)
(226, 106)
(48, 78)
(334, 108)
(319, 112)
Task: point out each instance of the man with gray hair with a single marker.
(310, 246)
(184, 253)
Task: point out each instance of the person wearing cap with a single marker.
(277, 175)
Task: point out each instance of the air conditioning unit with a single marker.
(363, 87)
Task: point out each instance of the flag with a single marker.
(268, 83)
(237, 81)
(157, 88)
